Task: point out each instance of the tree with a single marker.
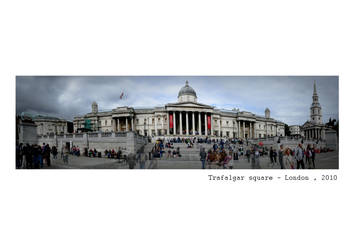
(287, 130)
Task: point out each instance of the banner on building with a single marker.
(209, 122)
(171, 121)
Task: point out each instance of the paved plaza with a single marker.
(323, 161)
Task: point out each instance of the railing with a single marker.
(69, 136)
(120, 134)
(93, 135)
(106, 134)
(79, 135)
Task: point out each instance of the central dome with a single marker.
(187, 94)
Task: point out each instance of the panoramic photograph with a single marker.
(177, 122)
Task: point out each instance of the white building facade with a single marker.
(295, 130)
(184, 118)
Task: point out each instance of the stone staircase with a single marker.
(187, 154)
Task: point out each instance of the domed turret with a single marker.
(187, 94)
(94, 107)
(267, 113)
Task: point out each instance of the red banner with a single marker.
(171, 121)
(209, 122)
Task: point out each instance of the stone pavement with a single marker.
(323, 161)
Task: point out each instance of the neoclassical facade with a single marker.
(47, 125)
(295, 130)
(183, 118)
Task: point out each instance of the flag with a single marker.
(121, 95)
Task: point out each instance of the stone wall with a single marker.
(128, 142)
(27, 133)
(287, 142)
(332, 139)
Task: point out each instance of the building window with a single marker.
(227, 122)
(105, 122)
(137, 121)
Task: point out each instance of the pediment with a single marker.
(189, 105)
(308, 124)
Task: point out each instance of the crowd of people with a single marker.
(34, 156)
(222, 153)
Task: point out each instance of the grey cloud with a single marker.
(289, 98)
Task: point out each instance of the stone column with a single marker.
(219, 122)
(180, 123)
(200, 123)
(174, 123)
(155, 125)
(114, 127)
(126, 123)
(193, 123)
(244, 129)
(251, 131)
(118, 125)
(238, 129)
(187, 125)
(149, 130)
(205, 124)
(132, 120)
(168, 123)
(162, 127)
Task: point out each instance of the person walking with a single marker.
(255, 158)
(54, 152)
(313, 154)
(131, 160)
(142, 158)
(203, 156)
(308, 156)
(271, 156)
(18, 156)
(280, 157)
(248, 155)
(288, 159)
(299, 157)
(46, 154)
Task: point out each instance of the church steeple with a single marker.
(316, 113)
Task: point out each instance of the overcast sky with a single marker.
(288, 98)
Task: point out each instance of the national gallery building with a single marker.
(183, 118)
